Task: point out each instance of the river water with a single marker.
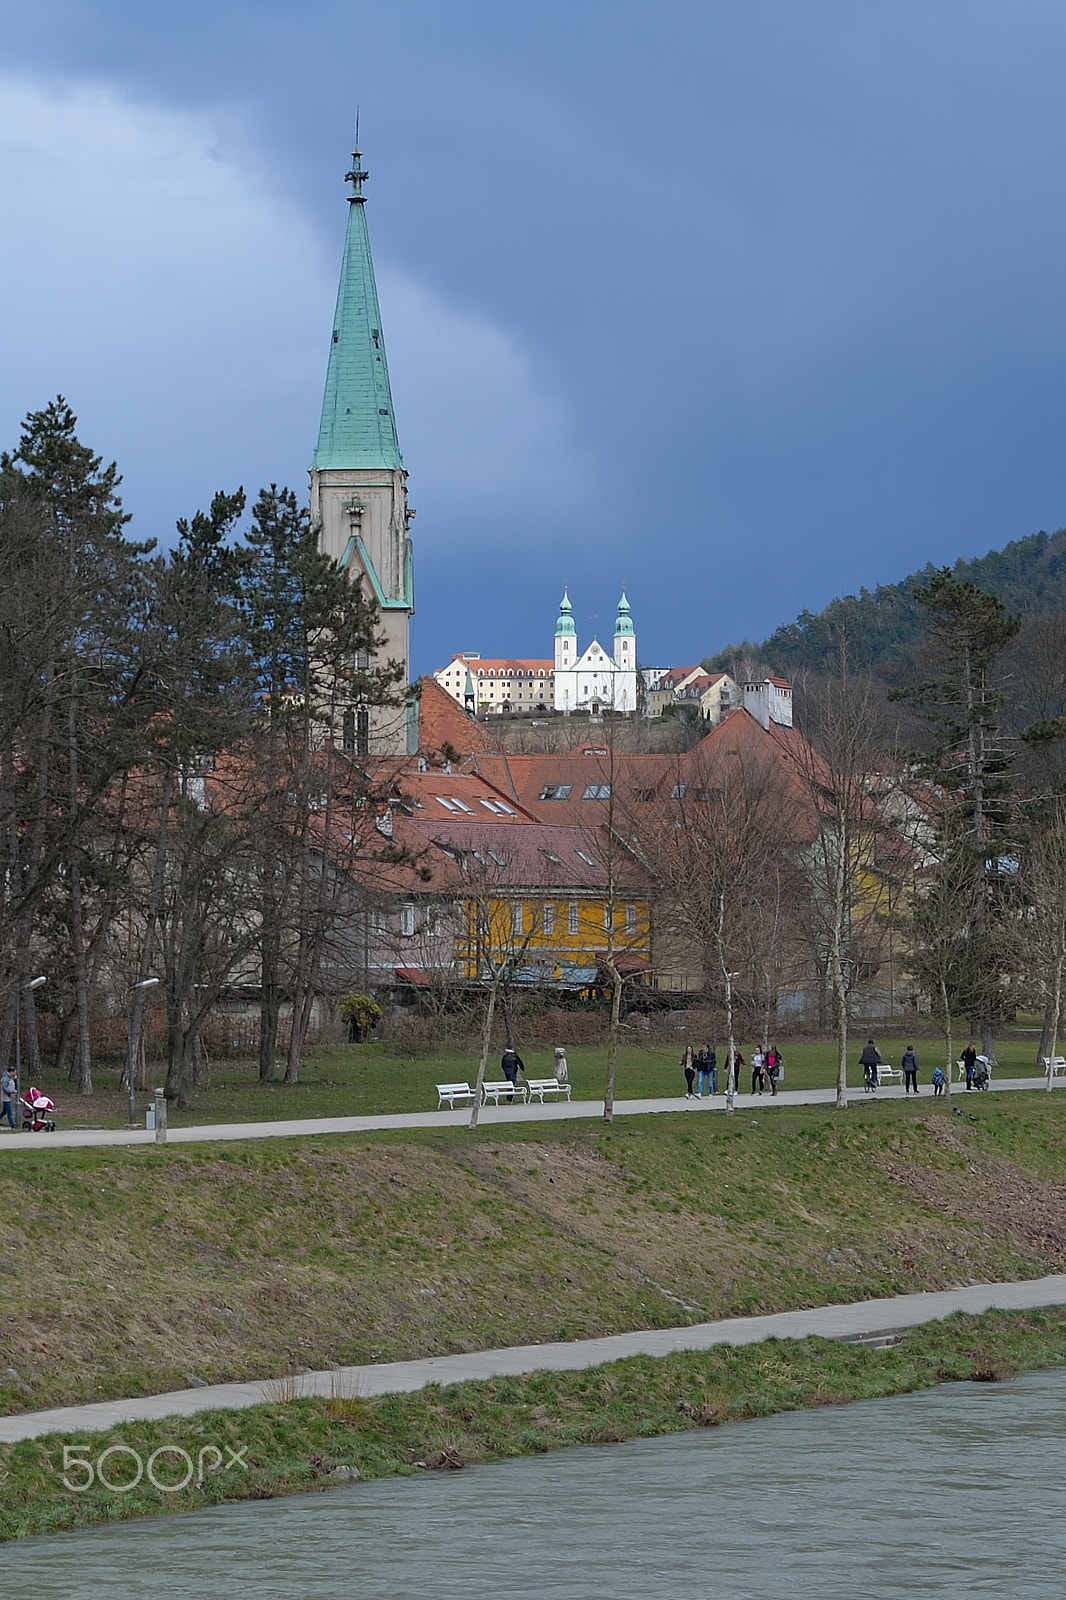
(955, 1492)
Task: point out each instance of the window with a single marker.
(551, 856)
(377, 923)
(585, 858)
(518, 919)
(678, 791)
(445, 803)
(362, 731)
(631, 919)
(407, 920)
(645, 796)
(556, 791)
(461, 806)
(549, 919)
(501, 805)
(348, 734)
(571, 919)
(597, 791)
(608, 919)
(494, 855)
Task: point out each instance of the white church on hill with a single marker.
(592, 680)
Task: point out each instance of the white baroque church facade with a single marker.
(590, 679)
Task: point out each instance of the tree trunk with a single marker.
(486, 1046)
(612, 1041)
(147, 956)
(83, 1051)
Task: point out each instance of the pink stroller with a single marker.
(37, 1113)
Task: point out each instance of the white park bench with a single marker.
(1054, 1065)
(451, 1092)
(539, 1087)
(887, 1074)
(495, 1092)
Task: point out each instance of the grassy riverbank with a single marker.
(297, 1446)
(145, 1270)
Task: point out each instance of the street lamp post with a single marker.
(131, 1065)
(34, 983)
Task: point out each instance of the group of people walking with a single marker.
(701, 1070)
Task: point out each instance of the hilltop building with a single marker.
(358, 480)
(499, 683)
(592, 680)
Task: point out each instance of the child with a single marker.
(938, 1081)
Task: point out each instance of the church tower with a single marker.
(565, 657)
(625, 660)
(358, 482)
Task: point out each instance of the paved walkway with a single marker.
(557, 1111)
(864, 1318)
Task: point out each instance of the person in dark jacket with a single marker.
(688, 1067)
(910, 1070)
(773, 1068)
(869, 1061)
(969, 1060)
(511, 1064)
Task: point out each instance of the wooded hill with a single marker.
(1028, 575)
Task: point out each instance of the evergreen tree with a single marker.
(970, 765)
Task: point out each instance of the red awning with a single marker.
(626, 961)
(413, 975)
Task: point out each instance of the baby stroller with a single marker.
(980, 1073)
(37, 1113)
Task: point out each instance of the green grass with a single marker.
(131, 1271)
(293, 1447)
(355, 1080)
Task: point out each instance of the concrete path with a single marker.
(557, 1111)
(864, 1318)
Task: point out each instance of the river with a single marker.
(953, 1492)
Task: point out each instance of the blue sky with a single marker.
(742, 304)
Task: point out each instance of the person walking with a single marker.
(8, 1091)
(757, 1062)
(511, 1064)
(869, 1061)
(700, 1064)
(939, 1082)
(910, 1070)
(738, 1064)
(969, 1061)
(773, 1069)
(710, 1069)
(687, 1064)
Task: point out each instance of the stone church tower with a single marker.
(358, 482)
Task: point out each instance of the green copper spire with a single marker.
(358, 428)
(565, 623)
(624, 623)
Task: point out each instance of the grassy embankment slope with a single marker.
(145, 1267)
(358, 1080)
(128, 1271)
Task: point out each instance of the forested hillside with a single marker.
(1028, 575)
